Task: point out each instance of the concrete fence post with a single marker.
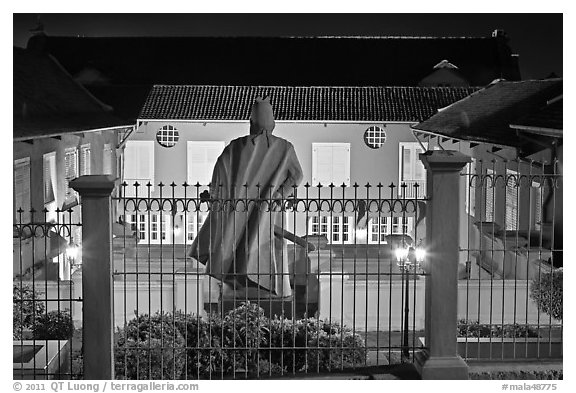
(97, 282)
(441, 360)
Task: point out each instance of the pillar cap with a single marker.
(444, 160)
(94, 185)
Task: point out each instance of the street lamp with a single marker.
(408, 259)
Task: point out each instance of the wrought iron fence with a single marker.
(47, 299)
(510, 292)
(215, 283)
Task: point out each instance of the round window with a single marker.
(374, 137)
(167, 136)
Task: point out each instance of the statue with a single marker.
(243, 245)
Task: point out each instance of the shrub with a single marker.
(243, 341)
(25, 308)
(547, 293)
(150, 347)
(475, 329)
(54, 325)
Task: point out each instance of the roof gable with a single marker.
(402, 104)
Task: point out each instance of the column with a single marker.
(441, 360)
(97, 281)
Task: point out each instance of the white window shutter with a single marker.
(330, 163)
(419, 170)
(107, 159)
(406, 163)
(22, 189)
(323, 167)
(489, 202)
(202, 157)
(341, 165)
(196, 164)
(131, 161)
(213, 151)
(85, 164)
(511, 201)
(49, 176)
(139, 162)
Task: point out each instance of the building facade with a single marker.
(60, 132)
(345, 137)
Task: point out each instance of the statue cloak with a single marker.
(237, 241)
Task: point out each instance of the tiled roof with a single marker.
(47, 100)
(403, 104)
(549, 117)
(486, 115)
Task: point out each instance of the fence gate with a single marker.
(252, 285)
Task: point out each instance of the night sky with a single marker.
(537, 38)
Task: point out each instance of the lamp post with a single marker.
(408, 259)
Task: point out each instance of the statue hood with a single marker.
(261, 117)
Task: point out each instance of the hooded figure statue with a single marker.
(237, 242)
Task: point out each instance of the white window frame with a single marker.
(167, 136)
(396, 225)
(338, 229)
(375, 136)
(22, 191)
(336, 179)
(415, 149)
(202, 174)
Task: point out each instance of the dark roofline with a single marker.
(290, 61)
(51, 134)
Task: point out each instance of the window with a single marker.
(195, 222)
(340, 230)
(411, 169)
(22, 190)
(331, 163)
(158, 227)
(49, 177)
(489, 196)
(511, 200)
(374, 137)
(202, 157)
(379, 227)
(70, 168)
(337, 229)
(167, 136)
(139, 162)
(85, 161)
(107, 159)
(471, 182)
